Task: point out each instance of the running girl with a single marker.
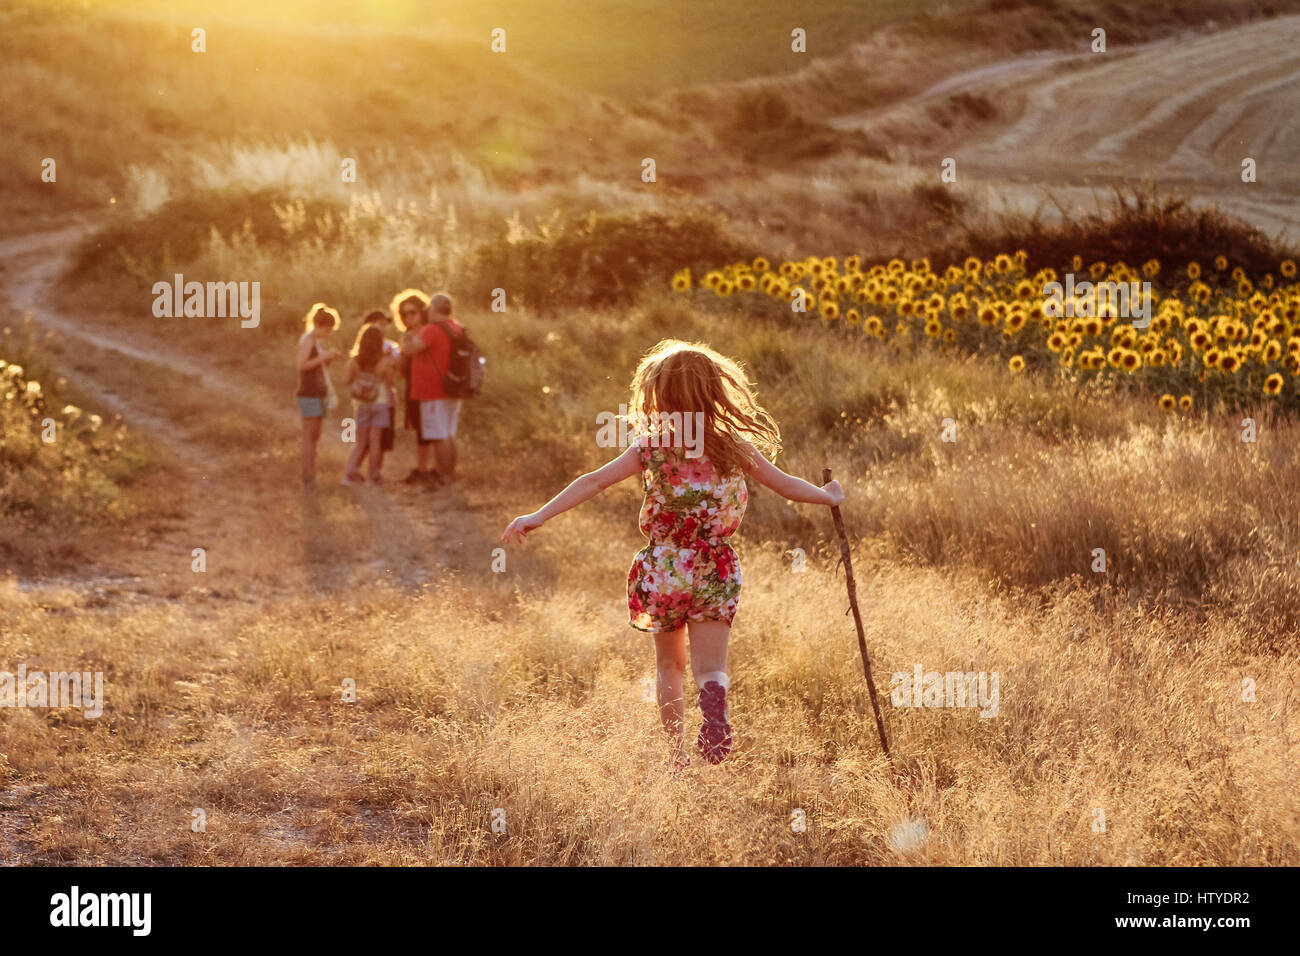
(315, 394)
(688, 578)
(370, 375)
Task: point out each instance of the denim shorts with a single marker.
(311, 406)
(373, 415)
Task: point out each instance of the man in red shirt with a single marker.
(430, 349)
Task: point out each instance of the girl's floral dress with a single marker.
(687, 572)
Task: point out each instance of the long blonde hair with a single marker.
(689, 377)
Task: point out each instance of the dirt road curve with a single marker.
(32, 265)
(233, 495)
(1183, 112)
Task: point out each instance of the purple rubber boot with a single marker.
(715, 733)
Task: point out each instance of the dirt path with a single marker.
(1183, 112)
(244, 506)
(267, 541)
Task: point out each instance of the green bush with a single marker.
(1136, 227)
(597, 261)
(178, 232)
(77, 476)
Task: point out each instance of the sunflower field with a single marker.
(1212, 335)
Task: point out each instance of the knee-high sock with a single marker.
(720, 676)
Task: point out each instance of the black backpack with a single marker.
(464, 375)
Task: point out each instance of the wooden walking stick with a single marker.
(857, 617)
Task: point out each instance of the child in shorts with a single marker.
(370, 373)
(381, 320)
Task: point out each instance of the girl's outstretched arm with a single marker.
(788, 486)
(580, 489)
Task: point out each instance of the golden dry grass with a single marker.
(1121, 694)
(525, 691)
(468, 702)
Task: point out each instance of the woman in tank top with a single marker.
(314, 389)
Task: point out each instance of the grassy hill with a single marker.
(523, 688)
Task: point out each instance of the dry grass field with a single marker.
(1145, 713)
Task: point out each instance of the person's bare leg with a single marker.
(360, 453)
(422, 456)
(709, 641)
(392, 417)
(376, 436)
(445, 450)
(311, 428)
(670, 666)
(359, 450)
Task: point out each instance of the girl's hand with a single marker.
(833, 489)
(520, 527)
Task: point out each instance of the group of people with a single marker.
(376, 363)
(687, 578)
